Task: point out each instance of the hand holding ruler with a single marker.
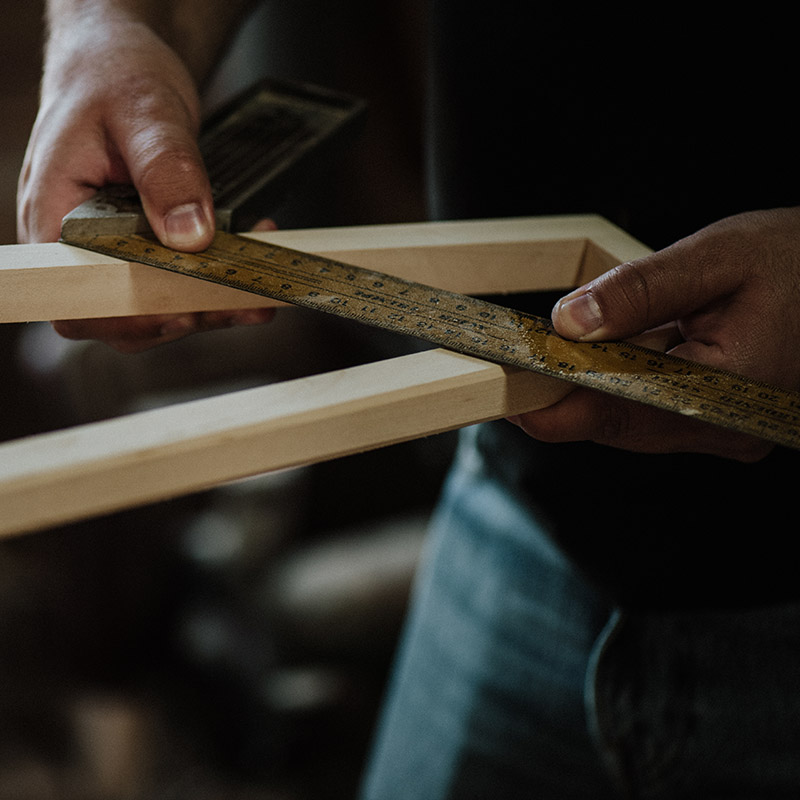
(161, 453)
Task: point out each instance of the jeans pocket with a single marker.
(640, 700)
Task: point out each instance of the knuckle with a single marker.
(167, 165)
(159, 139)
(628, 288)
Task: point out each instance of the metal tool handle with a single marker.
(254, 147)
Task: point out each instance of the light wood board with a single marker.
(140, 458)
(55, 281)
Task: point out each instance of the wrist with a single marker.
(196, 30)
(101, 53)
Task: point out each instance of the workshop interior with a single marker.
(233, 643)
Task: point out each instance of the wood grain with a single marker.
(141, 458)
(166, 452)
(55, 281)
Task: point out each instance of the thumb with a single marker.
(643, 294)
(165, 165)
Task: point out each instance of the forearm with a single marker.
(197, 30)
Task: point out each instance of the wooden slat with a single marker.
(56, 281)
(94, 469)
(158, 454)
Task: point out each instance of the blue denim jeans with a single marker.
(516, 679)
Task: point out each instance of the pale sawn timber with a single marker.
(40, 282)
(90, 470)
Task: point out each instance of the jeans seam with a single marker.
(596, 713)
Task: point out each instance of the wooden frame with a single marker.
(55, 281)
(94, 469)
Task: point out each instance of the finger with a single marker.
(159, 146)
(585, 415)
(136, 334)
(646, 293)
(128, 334)
(265, 225)
(139, 333)
(58, 173)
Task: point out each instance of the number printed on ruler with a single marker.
(475, 327)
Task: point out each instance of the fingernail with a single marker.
(578, 315)
(186, 226)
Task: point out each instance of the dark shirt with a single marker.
(662, 127)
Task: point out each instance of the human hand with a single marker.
(732, 292)
(118, 105)
(137, 334)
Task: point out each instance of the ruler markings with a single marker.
(476, 327)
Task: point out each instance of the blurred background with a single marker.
(234, 643)
(20, 45)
